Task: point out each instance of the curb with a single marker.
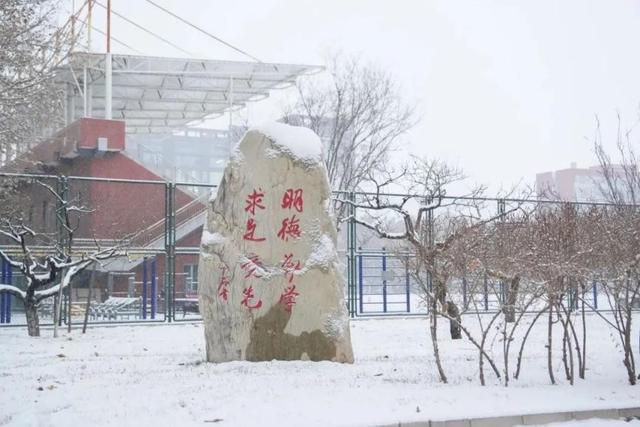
(528, 419)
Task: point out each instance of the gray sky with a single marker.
(505, 88)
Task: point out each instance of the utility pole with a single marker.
(108, 65)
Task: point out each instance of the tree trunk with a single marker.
(629, 363)
(31, 311)
(92, 279)
(454, 320)
(433, 327)
(550, 340)
(511, 297)
(583, 367)
(524, 341)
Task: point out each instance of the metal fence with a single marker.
(385, 286)
(161, 224)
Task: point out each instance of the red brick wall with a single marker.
(92, 129)
(191, 240)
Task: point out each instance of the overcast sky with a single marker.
(505, 88)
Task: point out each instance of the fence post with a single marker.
(486, 293)
(407, 284)
(430, 242)
(384, 280)
(3, 307)
(144, 287)
(169, 249)
(501, 288)
(351, 257)
(62, 190)
(7, 313)
(464, 292)
(154, 289)
(573, 292)
(360, 283)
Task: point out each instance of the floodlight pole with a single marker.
(89, 15)
(85, 75)
(108, 26)
(108, 66)
(73, 19)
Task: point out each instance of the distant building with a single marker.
(190, 155)
(574, 184)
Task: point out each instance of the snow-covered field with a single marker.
(155, 375)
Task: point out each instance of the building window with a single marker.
(191, 278)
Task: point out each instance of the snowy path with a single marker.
(154, 375)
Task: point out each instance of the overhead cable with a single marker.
(203, 31)
(112, 38)
(146, 30)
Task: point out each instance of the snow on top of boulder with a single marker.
(299, 142)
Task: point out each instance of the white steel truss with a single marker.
(155, 94)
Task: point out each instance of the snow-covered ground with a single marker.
(155, 375)
(595, 422)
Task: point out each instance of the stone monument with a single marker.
(270, 286)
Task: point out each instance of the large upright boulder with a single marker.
(270, 286)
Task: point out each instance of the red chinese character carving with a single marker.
(251, 231)
(290, 227)
(251, 266)
(292, 198)
(290, 267)
(248, 295)
(254, 200)
(288, 297)
(223, 290)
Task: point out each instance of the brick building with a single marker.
(125, 200)
(126, 163)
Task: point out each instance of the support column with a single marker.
(144, 288)
(107, 86)
(85, 101)
(71, 108)
(66, 105)
(154, 289)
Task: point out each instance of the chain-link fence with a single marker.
(154, 229)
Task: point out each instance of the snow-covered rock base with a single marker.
(269, 280)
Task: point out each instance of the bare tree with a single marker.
(47, 275)
(620, 271)
(360, 116)
(432, 240)
(33, 46)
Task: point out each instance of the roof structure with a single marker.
(155, 94)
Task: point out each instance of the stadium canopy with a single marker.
(158, 95)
